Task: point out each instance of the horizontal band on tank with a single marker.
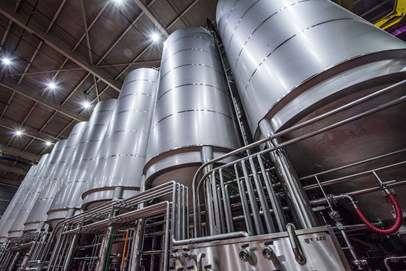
(95, 125)
(104, 110)
(272, 15)
(211, 41)
(341, 66)
(121, 155)
(100, 189)
(75, 161)
(91, 140)
(189, 49)
(297, 34)
(186, 148)
(135, 110)
(192, 84)
(139, 80)
(137, 93)
(123, 131)
(193, 110)
(192, 64)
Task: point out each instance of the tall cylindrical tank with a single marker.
(37, 214)
(121, 158)
(83, 161)
(192, 109)
(293, 60)
(38, 186)
(14, 207)
(56, 212)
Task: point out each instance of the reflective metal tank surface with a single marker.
(278, 49)
(121, 158)
(192, 109)
(14, 207)
(37, 186)
(293, 60)
(37, 214)
(83, 161)
(57, 210)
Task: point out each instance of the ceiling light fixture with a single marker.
(51, 85)
(155, 37)
(118, 2)
(6, 61)
(48, 143)
(86, 105)
(18, 133)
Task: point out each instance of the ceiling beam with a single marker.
(13, 125)
(152, 18)
(33, 95)
(9, 183)
(56, 44)
(18, 153)
(13, 169)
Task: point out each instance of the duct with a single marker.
(15, 205)
(57, 209)
(121, 158)
(38, 186)
(192, 109)
(295, 60)
(83, 161)
(38, 211)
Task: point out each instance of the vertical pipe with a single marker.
(207, 155)
(253, 201)
(215, 203)
(245, 209)
(14, 262)
(71, 253)
(264, 204)
(291, 183)
(278, 212)
(226, 202)
(222, 222)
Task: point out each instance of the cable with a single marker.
(396, 225)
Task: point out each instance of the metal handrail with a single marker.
(196, 184)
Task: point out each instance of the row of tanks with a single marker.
(136, 135)
(291, 60)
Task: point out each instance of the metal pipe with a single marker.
(253, 202)
(286, 143)
(212, 238)
(244, 203)
(392, 259)
(15, 260)
(264, 204)
(279, 215)
(226, 202)
(71, 252)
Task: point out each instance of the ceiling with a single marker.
(85, 47)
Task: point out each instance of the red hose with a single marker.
(395, 226)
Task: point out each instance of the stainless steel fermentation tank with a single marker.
(36, 216)
(193, 120)
(38, 185)
(293, 60)
(121, 157)
(57, 210)
(83, 161)
(15, 205)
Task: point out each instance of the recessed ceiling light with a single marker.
(6, 61)
(155, 37)
(18, 133)
(51, 85)
(118, 2)
(48, 143)
(86, 105)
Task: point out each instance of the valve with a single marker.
(244, 254)
(174, 256)
(187, 255)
